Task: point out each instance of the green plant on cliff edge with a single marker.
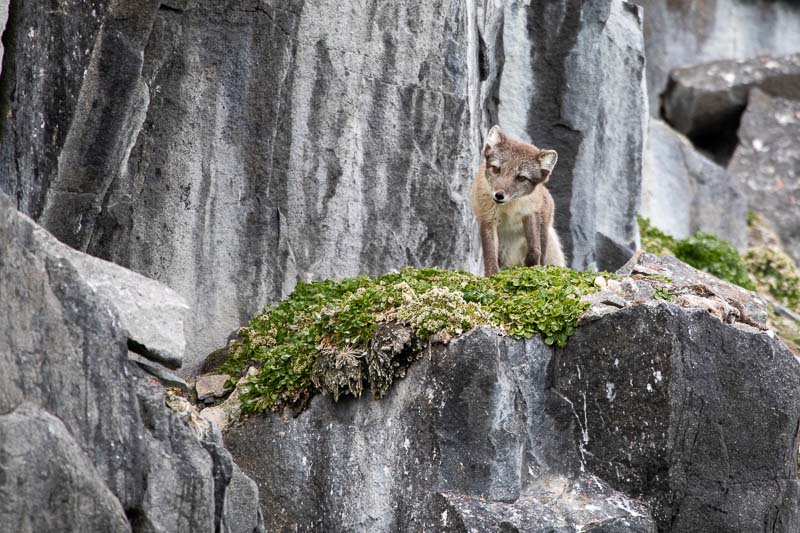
(701, 250)
(338, 319)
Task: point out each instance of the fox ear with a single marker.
(494, 137)
(547, 160)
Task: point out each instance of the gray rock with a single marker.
(752, 307)
(236, 149)
(64, 352)
(696, 418)
(3, 21)
(467, 427)
(210, 386)
(50, 485)
(151, 315)
(704, 98)
(240, 513)
(767, 164)
(683, 191)
(651, 407)
(682, 33)
(167, 378)
(583, 56)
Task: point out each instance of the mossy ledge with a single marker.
(700, 250)
(340, 336)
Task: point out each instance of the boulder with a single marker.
(685, 33)
(706, 98)
(83, 425)
(683, 191)
(766, 164)
(465, 440)
(151, 315)
(655, 416)
(234, 150)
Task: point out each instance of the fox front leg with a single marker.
(535, 255)
(491, 265)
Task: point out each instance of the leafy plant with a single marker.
(663, 293)
(319, 338)
(701, 250)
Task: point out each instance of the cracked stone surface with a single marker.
(231, 149)
(86, 441)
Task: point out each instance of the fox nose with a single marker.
(499, 196)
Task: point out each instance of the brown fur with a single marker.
(513, 207)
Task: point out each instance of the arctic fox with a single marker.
(513, 208)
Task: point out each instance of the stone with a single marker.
(237, 149)
(706, 98)
(167, 378)
(752, 307)
(54, 487)
(683, 191)
(654, 417)
(210, 386)
(240, 513)
(72, 400)
(688, 414)
(467, 427)
(228, 411)
(682, 34)
(151, 315)
(767, 164)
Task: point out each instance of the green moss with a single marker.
(663, 293)
(715, 256)
(775, 274)
(319, 337)
(654, 240)
(701, 250)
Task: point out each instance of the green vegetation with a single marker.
(320, 337)
(775, 274)
(663, 293)
(701, 250)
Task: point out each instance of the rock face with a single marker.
(654, 416)
(686, 33)
(683, 191)
(767, 163)
(704, 98)
(86, 442)
(459, 443)
(229, 151)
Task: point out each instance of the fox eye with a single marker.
(520, 177)
(494, 168)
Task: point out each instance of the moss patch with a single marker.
(321, 336)
(701, 250)
(775, 274)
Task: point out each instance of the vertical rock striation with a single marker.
(230, 149)
(86, 441)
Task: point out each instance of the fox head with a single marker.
(515, 168)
